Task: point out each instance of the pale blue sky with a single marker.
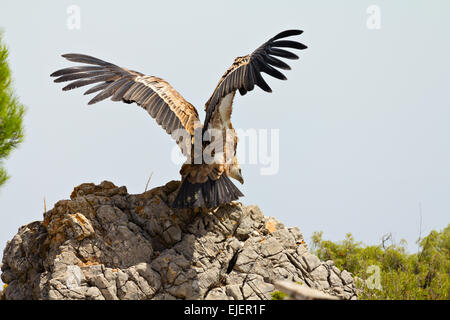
(363, 119)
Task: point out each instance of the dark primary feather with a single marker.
(85, 82)
(81, 75)
(287, 33)
(75, 70)
(289, 44)
(98, 87)
(76, 57)
(281, 53)
(245, 72)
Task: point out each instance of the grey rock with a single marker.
(320, 273)
(311, 261)
(338, 290)
(271, 247)
(234, 291)
(94, 293)
(104, 243)
(346, 277)
(217, 294)
(107, 288)
(336, 270)
(322, 284)
(329, 263)
(334, 279)
(244, 228)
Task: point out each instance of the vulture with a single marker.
(209, 147)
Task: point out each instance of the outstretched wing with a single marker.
(156, 96)
(245, 72)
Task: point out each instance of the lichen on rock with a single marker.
(104, 243)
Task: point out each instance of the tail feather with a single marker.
(210, 194)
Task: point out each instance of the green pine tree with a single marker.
(11, 113)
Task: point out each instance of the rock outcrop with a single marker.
(104, 243)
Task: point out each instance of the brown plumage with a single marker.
(203, 184)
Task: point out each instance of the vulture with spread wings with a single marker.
(205, 180)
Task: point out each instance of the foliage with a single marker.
(278, 295)
(11, 113)
(422, 275)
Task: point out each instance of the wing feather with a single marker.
(98, 87)
(75, 69)
(108, 91)
(245, 72)
(118, 95)
(153, 94)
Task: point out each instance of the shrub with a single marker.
(423, 275)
